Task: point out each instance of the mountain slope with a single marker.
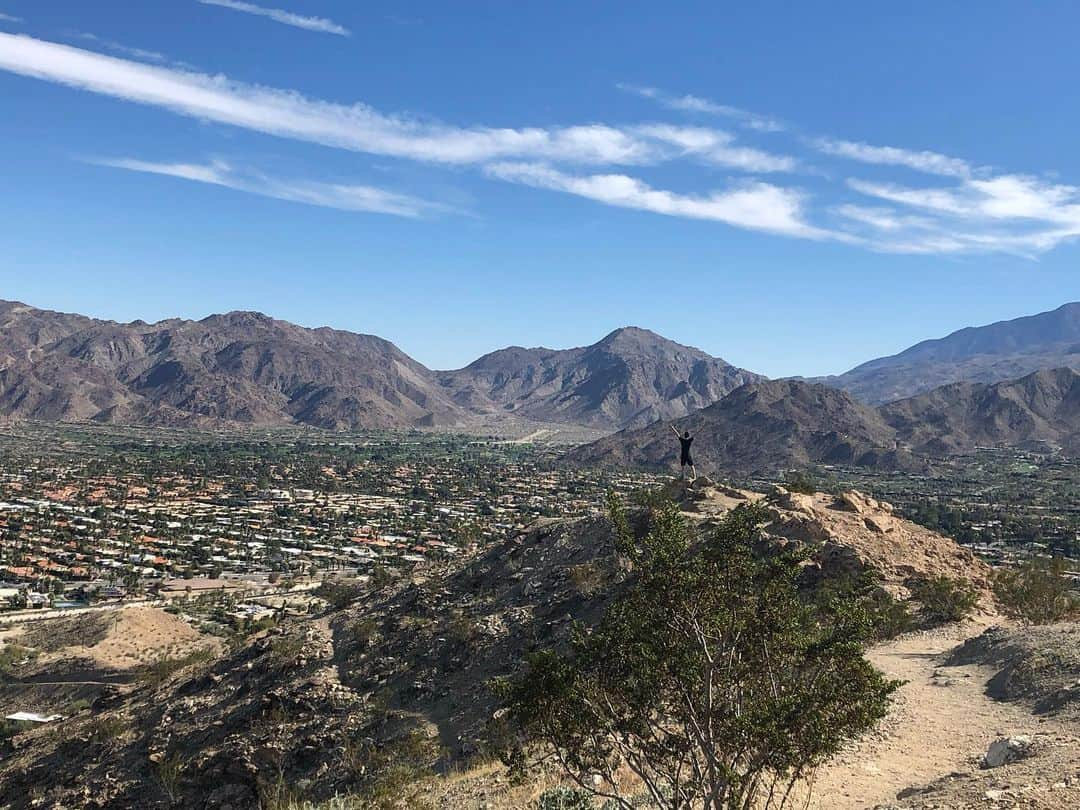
(1043, 407)
(628, 379)
(781, 424)
(760, 427)
(238, 367)
(325, 700)
(1000, 351)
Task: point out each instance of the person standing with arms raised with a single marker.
(685, 457)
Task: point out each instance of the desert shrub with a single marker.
(588, 578)
(381, 576)
(106, 728)
(565, 798)
(649, 497)
(462, 630)
(286, 649)
(890, 616)
(390, 771)
(168, 773)
(943, 599)
(800, 481)
(259, 625)
(13, 654)
(713, 675)
(339, 594)
(1038, 592)
(160, 670)
(10, 728)
(280, 798)
(365, 632)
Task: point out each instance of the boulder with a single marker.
(1004, 750)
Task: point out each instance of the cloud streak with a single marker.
(924, 161)
(340, 196)
(318, 24)
(719, 148)
(755, 206)
(359, 127)
(9, 18)
(136, 53)
(959, 208)
(703, 106)
(1008, 213)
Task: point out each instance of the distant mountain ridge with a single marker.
(246, 367)
(1005, 350)
(628, 379)
(238, 367)
(769, 426)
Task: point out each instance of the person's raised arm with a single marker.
(675, 429)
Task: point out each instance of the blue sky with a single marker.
(794, 187)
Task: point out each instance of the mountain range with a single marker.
(1005, 350)
(248, 368)
(245, 367)
(239, 367)
(768, 426)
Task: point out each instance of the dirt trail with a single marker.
(941, 722)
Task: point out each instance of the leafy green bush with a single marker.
(890, 616)
(565, 798)
(944, 600)
(1038, 592)
(712, 674)
(800, 481)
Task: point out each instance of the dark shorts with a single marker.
(687, 460)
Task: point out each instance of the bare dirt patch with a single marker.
(942, 723)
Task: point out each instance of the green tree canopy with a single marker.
(713, 677)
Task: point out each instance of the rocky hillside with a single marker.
(1041, 408)
(318, 703)
(239, 367)
(244, 367)
(761, 427)
(629, 379)
(984, 354)
(784, 424)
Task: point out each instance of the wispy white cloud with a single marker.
(289, 114)
(342, 196)
(1008, 213)
(9, 18)
(696, 104)
(755, 206)
(718, 147)
(1005, 197)
(923, 161)
(286, 17)
(962, 208)
(136, 53)
(357, 127)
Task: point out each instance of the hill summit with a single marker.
(773, 425)
(629, 378)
